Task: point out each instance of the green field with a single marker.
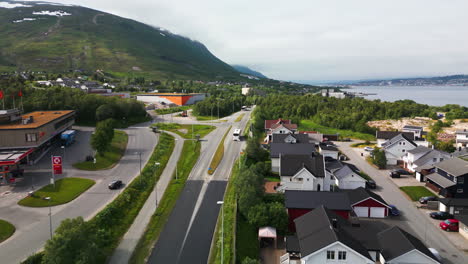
(247, 244)
(188, 158)
(308, 125)
(416, 192)
(218, 156)
(110, 158)
(66, 190)
(185, 131)
(6, 230)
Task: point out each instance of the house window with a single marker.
(31, 137)
(341, 255)
(434, 160)
(330, 254)
(459, 190)
(403, 143)
(402, 150)
(461, 180)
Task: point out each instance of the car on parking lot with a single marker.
(425, 199)
(401, 171)
(116, 184)
(393, 210)
(370, 184)
(449, 225)
(440, 215)
(368, 148)
(394, 174)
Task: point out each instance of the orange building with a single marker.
(179, 99)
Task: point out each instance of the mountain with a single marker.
(247, 70)
(460, 80)
(41, 36)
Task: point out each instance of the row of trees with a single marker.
(103, 135)
(225, 106)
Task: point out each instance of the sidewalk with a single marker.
(128, 243)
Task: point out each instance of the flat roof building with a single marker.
(179, 99)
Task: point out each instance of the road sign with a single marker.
(57, 164)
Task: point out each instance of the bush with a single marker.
(379, 158)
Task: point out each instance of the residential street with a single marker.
(32, 224)
(411, 216)
(202, 215)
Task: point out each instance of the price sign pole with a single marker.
(56, 168)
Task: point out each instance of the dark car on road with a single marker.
(441, 215)
(393, 210)
(115, 184)
(370, 184)
(425, 199)
(396, 173)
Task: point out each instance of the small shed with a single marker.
(267, 232)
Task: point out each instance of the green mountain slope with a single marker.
(247, 70)
(89, 40)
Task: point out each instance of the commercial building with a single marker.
(179, 99)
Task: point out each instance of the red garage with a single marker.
(367, 204)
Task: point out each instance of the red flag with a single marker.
(1, 94)
(20, 93)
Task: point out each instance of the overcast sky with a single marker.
(317, 39)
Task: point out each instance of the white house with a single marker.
(303, 172)
(346, 179)
(279, 149)
(384, 136)
(278, 126)
(328, 150)
(396, 148)
(417, 130)
(462, 138)
(421, 156)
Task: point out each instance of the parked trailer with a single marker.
(68, 137)
(236, 135)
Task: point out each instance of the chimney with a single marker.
(335, 223)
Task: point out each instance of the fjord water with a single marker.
(431, 95)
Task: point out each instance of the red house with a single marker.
(299, 203)
(365, 203)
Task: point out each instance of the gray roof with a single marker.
(286, 148)
(464, 132)
(412, 127)
(300, 138)
(397, 138)
(440, 180)
(419, 150)
(395, 242)
(460, 153)
(455, 166)
(392, 134)
(361, 194)
(333, 165)
(343, 172)
(315, 231)
(454, 201)
(366, 232)
(428, 157)
(292, 244)
(314, 199)
(290, 164)
(325, 146)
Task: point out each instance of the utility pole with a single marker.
(50, 216)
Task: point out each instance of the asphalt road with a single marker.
(32, 224)
(188, 233)
(410, 216)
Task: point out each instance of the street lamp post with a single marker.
(156, 187)
(218, 109)
(139, 154)
(176, 165)
(50, 216)
(222, 230)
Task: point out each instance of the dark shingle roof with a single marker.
(315, 231)
(361, 194)
(454, 201)
(326, 146)
(292, 244)
(314, 199)
(429, 156)
(392, 134)
(366, 232)
(300, 138)
(290, 164)
(454, 166)
(397, 138)
(343, 172)
(286, 148)
(419, 149)
(395, 242)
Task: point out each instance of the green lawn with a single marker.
(110, 158)
(171, 110)
(272, 179)
(185, 131)
(416, 192)
(66, 190)
(308, 125)
(362, 145)
(247, 244)
(6, 230)
(188, 158)
(239, 118)
(219, 154)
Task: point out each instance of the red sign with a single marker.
(57, 164)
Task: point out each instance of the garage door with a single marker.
(377, 212)
(361, 211)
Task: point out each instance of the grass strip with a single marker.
(239, 118)
(6, 230)
(416, 192)
(185, 130)
(65, 190)
(188, 158)
(365, 175)
(230, 213)
(219, 154)
(110, 157)
(171, 110)
(307, 125)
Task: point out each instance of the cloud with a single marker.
(317, 39)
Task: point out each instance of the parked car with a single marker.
(449, 225)
(393, 210)
(113, 185)
(370, 184)
(440, 215)
(401, 172)
(394, 174)
(368, 149)
(436, 254)
(425, 199)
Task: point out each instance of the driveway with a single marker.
(32, 224)
(411, 216)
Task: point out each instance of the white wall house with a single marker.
(328, 150)
(396, 148)
(347, 179)
(304, 180)
(336, 253)
(462, 138)
(421, 156)
(413, 257)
